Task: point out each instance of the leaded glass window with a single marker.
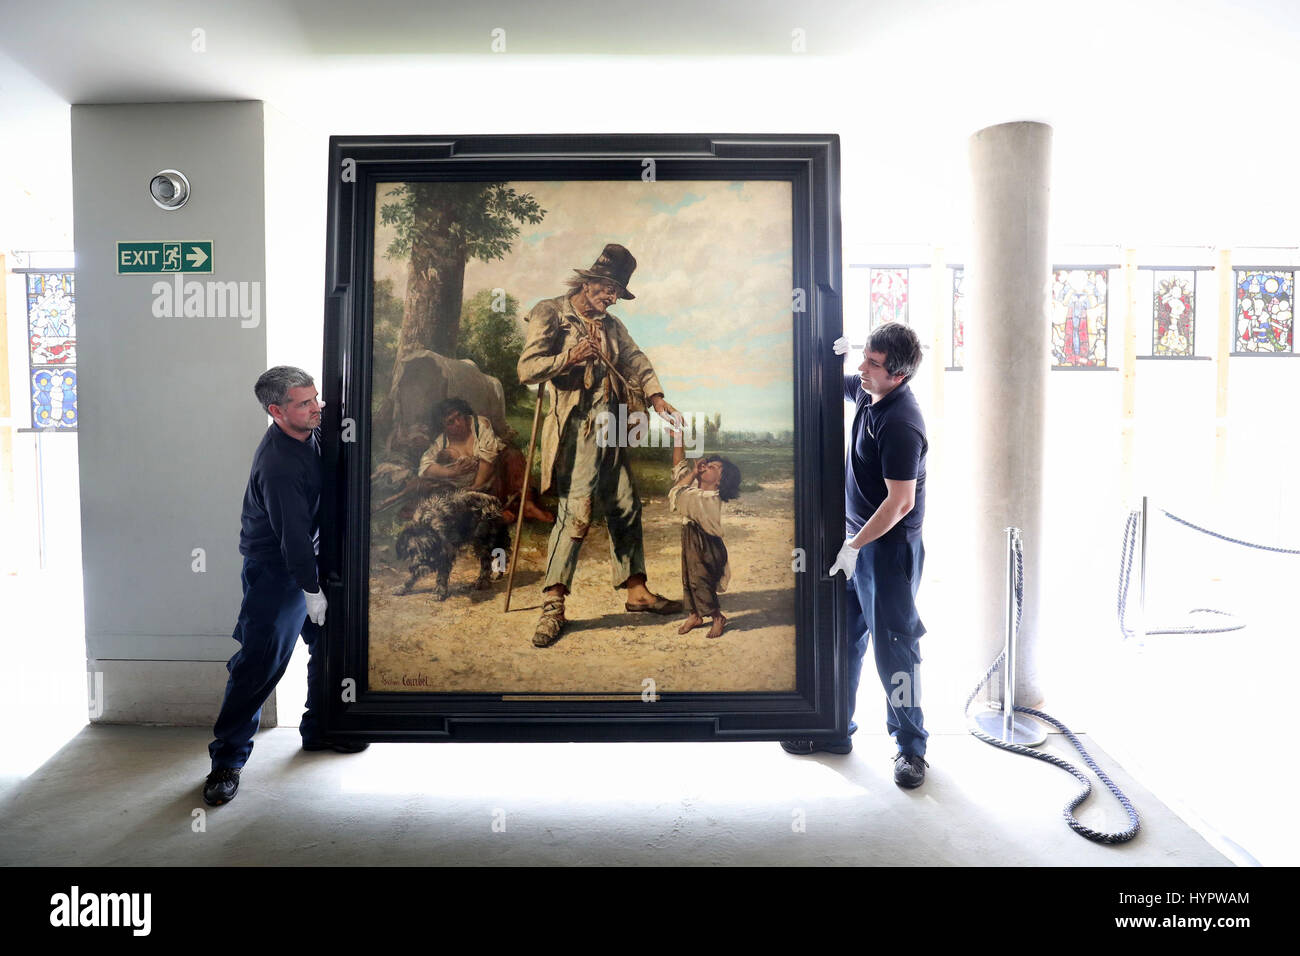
(52, 349)
(889, 296)
(1173, 331)
(1079, 299)
(958, 318)
(1264, 323)
(54, 397)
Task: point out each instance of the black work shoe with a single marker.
(338, 746)
(221, 786)
(802, 748)
(909, 770)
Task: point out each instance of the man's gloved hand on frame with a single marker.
(316, 607)
(845, 561)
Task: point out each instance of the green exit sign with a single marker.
(156, 257)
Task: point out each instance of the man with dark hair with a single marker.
(467, 455)
(585, 360)
(464, 451)
(882, 555)
(279, 538)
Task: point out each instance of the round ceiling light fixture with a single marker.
(169, 189)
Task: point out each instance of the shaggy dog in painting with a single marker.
(441, 526)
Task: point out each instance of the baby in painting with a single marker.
(698, 490)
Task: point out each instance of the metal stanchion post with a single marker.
(1009, 624)
(1004, 724)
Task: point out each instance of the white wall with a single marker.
(35, 164)
(1149, 148)
(1145, 155)
(295, 242)
(35, 214)
(1174, 461)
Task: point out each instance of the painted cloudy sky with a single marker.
(712, 283)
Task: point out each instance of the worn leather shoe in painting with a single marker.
(660, 605)
(551, 624)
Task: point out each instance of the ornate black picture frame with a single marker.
(370, 178)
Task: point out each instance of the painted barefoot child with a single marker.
(698, 490)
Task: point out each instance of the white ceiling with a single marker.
(132, 51)
(1161, 96)
(88, 51)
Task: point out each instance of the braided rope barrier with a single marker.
(1097, 836)
(1129, 546)
(1224, 537)
(1127, 550)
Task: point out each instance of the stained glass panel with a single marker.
(54, 397)
(1173, 333)
(1079, 318)
(51, 323)
(1264, 321)
(958, 318)
(52, 348)
(888, 296)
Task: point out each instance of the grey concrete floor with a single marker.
(77, 794)
(125, 795)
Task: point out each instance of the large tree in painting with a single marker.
(438, 228)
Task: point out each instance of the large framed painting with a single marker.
(583, 448)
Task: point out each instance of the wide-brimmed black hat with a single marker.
(615, 264)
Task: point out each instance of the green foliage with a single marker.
(480, 217)
(711, 428)
(387, 327)
(520, 418)
(491, 338)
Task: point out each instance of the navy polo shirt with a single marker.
(280, 519)
(887, 441)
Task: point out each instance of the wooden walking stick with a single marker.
(523, 495)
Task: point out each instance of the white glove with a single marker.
(841, 345)
(316, 607)
(845, 561)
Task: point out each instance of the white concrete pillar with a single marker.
(1007, 360)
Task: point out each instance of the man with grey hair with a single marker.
(279, 539)
(583, 357)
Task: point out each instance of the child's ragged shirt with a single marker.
(698, 506)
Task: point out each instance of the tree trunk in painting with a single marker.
(434, 285)
(439, 227)
(435, 279)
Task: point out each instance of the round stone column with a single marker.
(1007, 358)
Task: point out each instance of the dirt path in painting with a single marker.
(467, 643)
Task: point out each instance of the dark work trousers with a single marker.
(881, 606)
(704, 559)
(273, 614)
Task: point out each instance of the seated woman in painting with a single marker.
(467, 455)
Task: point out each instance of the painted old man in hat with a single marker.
(589, 365)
